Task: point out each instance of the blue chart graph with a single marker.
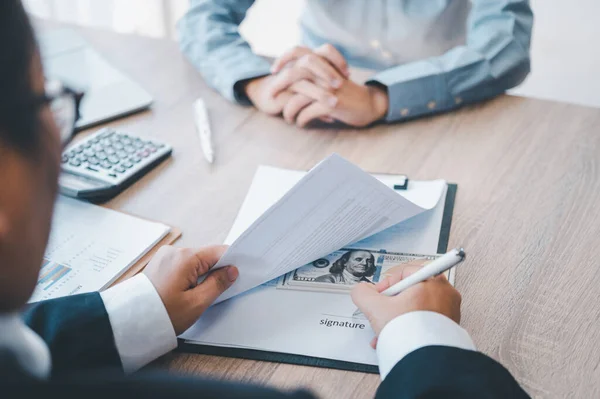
(51, 273)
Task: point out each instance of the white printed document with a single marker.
(90, 247)
(335, 216)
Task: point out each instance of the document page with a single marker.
(90, 247)
(333, 205)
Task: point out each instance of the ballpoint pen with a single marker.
(434, 268)
(203, 128)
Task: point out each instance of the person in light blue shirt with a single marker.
(429, 56)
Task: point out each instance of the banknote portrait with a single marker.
(352, 267)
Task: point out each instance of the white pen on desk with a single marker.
(434, 268)
(203, 128)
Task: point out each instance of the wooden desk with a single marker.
(528, 212)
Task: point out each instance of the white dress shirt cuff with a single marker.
(415, 330)
(140, 322)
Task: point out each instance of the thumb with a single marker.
(207, 257)
(366, 297)
(214, 285)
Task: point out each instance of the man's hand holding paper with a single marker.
(174, 272)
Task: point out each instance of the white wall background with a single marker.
(565, 50)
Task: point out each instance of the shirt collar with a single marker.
(30, 350)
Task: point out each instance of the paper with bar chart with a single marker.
(90, 247)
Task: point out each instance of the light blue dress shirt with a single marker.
(430, 55)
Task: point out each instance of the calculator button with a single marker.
(138, 144)
(75, 162)
(106, 142)
(126, 140)
(83, 158)
(113, 159)
(93, 161)
(127, 164)
(65, 159)
(160, 145)
(106, 165)
(78, 150)
(143, 154)
(117, 145)
(134, 159)
(101, 155)
(130, 149)
(122, 154)
(94, 140)
(109, 150)
(151, 149)
(86, 145)
(119, 169)
(89, 152)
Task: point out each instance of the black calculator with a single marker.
(104, 164)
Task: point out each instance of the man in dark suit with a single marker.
(89, 345)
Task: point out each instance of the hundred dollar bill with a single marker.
(342, 269)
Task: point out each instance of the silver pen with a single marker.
(203, 129)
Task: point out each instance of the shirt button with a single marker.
(375, 43)
(431, 105)
(457, 100)
(404, 112)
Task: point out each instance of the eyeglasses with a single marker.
(64, 103)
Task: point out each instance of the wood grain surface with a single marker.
(527, 211)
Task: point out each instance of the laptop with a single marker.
(109, 93)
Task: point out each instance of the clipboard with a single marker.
(278, 357)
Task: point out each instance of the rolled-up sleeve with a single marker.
(209, 36)
(494, 59)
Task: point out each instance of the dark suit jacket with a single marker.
(86, 364)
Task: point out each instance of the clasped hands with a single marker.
(308, 85)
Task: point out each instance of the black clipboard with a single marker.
(278, 357)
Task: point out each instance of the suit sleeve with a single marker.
(447, 372)
(77, 331)
(147, 385)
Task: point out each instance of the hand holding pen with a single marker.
(407, 288)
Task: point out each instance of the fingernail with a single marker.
(232, 273)
(336, 83)
(332, 101)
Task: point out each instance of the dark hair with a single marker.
(340, 264)
(19, 121)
